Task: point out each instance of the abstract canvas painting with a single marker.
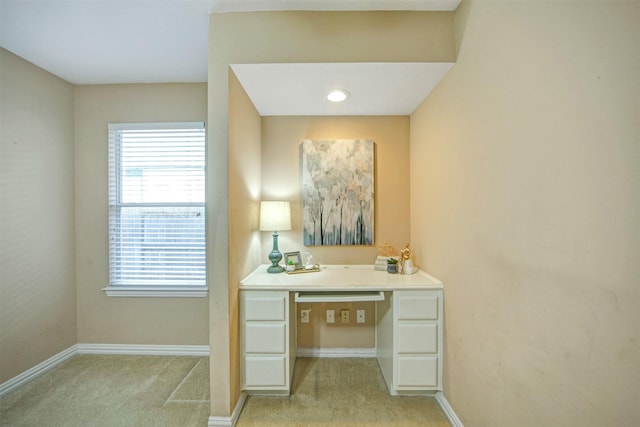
(337, 192)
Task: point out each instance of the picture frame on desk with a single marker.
(295, 257)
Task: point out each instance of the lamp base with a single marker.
(275, 256)
(275, 269)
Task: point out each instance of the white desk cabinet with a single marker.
(266, 340)
(409, 340)
(409, 324)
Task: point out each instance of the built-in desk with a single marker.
(409, 324)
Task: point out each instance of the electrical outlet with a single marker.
(360, 316)
(344, 316)
(331, 316)
(304, 315)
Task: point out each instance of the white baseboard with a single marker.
(144, 349)
(448, 410)
(124, 349)
(37, 370)
(335, 352)
(233, 419)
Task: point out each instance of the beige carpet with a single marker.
(114, 391)
(340, 392)
(140, 391)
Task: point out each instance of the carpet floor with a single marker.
(340, 392)
(111, 391)
(172, 391)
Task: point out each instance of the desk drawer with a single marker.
(413, 305)
(417, 337)
(417, 371)
(261, 371)
(265, 337)
(270, 306)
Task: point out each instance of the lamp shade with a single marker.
(275, 216)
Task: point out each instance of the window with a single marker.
(157, 209)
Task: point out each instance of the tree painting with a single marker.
(337, 192)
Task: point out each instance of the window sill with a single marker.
(157, 291)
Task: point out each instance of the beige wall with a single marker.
(319, 334)
(289, 37)
(37, 284)
(281, 139)
(244, 206)
(103, 319)
(524, 189)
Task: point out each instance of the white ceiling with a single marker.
(151, 41)
(376, 88)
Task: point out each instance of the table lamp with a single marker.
(275, 216)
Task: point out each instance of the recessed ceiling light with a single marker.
(338, 95)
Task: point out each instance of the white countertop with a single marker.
(338, 278)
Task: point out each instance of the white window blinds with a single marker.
(156, 204)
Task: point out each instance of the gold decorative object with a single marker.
(405, 253)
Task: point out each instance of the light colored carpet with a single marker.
(114, 391)
(340, 392)
(140, 391)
